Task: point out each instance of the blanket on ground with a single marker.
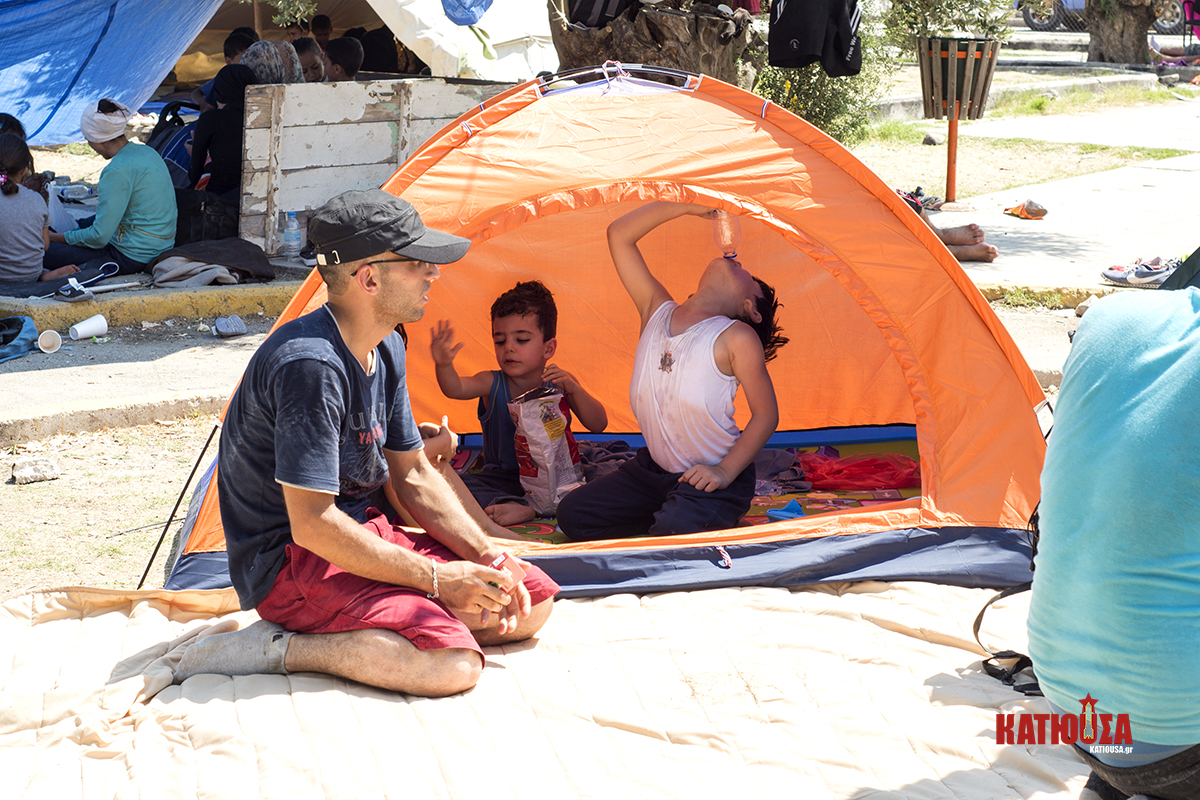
(866, 690)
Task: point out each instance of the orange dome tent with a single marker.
(886, 329)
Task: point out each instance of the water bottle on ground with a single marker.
(291, 237)
(727, 233)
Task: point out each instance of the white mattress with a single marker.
(866, 690)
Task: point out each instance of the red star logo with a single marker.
(1089, 701)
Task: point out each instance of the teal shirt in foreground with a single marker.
(136, 209)
(1115, 611)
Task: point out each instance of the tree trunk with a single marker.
(687, 39)
(1119, 36)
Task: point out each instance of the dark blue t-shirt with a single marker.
(306, 415)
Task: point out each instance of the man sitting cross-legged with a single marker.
(319, 425)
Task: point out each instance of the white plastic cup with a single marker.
(49, 341)
(92, 326)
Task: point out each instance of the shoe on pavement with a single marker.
(1141, 274)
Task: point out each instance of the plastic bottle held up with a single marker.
(291, 237)
(727, 233)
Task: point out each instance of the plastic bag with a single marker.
(546, 451)
(60, 220)
(873, 471)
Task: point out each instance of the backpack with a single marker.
(203, 216)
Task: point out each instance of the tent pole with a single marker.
(182, 492)
(257, 17)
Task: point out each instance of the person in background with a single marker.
(236, 44)
(219, 134)
(297, 29)
(274, 62)
(136, 211)
(25, 234)
(322, 29)
(312, 59)
(33, 179)
(343, 59)
(379, 51)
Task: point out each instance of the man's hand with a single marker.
(706, 478)
(442, 346)
(473, 588)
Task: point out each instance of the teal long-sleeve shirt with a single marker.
(136, 210)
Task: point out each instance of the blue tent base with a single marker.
(969, 557)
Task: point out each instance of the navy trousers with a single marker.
(59, 255)
(642, 498)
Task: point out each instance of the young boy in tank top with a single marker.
(696, 472)
(524, 326)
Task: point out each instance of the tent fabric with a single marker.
(886, 327)
(61, 56)
(867, 690)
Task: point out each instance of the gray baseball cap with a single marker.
(361, 224)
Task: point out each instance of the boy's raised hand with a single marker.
(442, 346)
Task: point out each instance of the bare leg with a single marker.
(973, 252)
(385, 659)
(508, 513)
(490, 527)
(61, 272)
(963, 234)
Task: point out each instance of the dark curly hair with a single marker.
(529, 297)
(14, 159)
(768, 330)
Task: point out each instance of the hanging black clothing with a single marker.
(805, 31)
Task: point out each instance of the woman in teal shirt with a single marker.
(135, 216)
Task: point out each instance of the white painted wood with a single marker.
(306, 143)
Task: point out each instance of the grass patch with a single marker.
(1019, 297)
(1036, 102)
(894, 131)
(75, 149)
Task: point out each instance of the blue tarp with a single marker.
(60, 56)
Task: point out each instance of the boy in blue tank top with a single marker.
(524, 326)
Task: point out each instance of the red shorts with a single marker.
(310, 595)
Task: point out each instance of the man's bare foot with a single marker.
(61, 272)
(963, 234)
(506, 514)
(973, 252)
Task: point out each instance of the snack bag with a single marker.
(546, 451)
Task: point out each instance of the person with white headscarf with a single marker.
(136, 213)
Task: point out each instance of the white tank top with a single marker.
(682, 401)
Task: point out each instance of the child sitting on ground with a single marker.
(696, 472)
(343, 59)
(26, 233)
(524, 325)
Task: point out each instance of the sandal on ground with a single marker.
(1027, 210)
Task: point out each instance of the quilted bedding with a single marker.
(865, 690)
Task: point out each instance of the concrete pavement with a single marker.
(1094, 221)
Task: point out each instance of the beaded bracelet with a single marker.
(435, 594)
